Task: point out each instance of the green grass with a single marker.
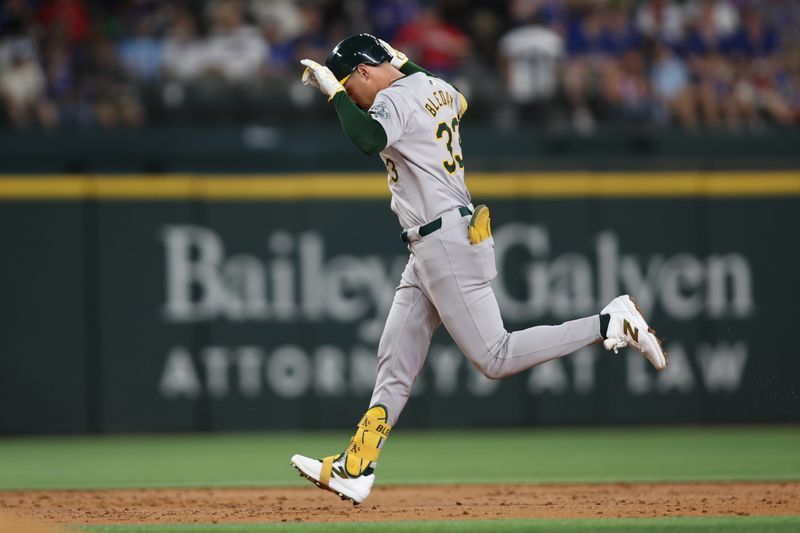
(754, 524)
(521, 456)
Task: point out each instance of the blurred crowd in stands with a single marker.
(717, 64)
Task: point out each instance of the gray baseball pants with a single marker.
(446, 281)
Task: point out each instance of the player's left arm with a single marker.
(401, 62)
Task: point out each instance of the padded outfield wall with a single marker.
(190, 302)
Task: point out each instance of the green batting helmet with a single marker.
(353, 51)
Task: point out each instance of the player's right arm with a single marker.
(365, 132)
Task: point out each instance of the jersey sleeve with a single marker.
(412, 68)
(389, 110)
(462, 105)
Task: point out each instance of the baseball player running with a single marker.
(389, 105)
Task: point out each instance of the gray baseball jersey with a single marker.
(447, 279)
(424, 163)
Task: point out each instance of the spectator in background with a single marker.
(388, 16)
(62, 82)
(626, 88)
(67, 26)
(438, 45)
(16, 18)
(109, 90)
(236, 50)
(672, 91)
(784, 16)
(16, 23)
(485, 27)
(757, 96)
(185, 54)
(754, 50)
(662, 20)
(596, 39)
(69, 16)
(788, 83)
(709, 23)
(530, 56)
(754, 39)
(713, 78)
(281, 22)
(313, 42)
(23, 87)
(142, 53)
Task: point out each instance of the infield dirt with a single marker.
(392, 503)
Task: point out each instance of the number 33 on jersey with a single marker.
(421, 115)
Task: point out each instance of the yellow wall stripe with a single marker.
(373, 186)
(636, 185)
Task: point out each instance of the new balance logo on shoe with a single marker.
(627, 329)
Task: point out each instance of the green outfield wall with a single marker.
(188, 302)
(315, 143)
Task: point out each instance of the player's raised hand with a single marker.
(321, 77)
(398, 58)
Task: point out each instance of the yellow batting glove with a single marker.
(319, 76)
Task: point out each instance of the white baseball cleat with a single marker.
(347, 487)
(627, 327)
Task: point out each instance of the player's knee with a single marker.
(491, 361)
(495, 369)
(493, 373)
